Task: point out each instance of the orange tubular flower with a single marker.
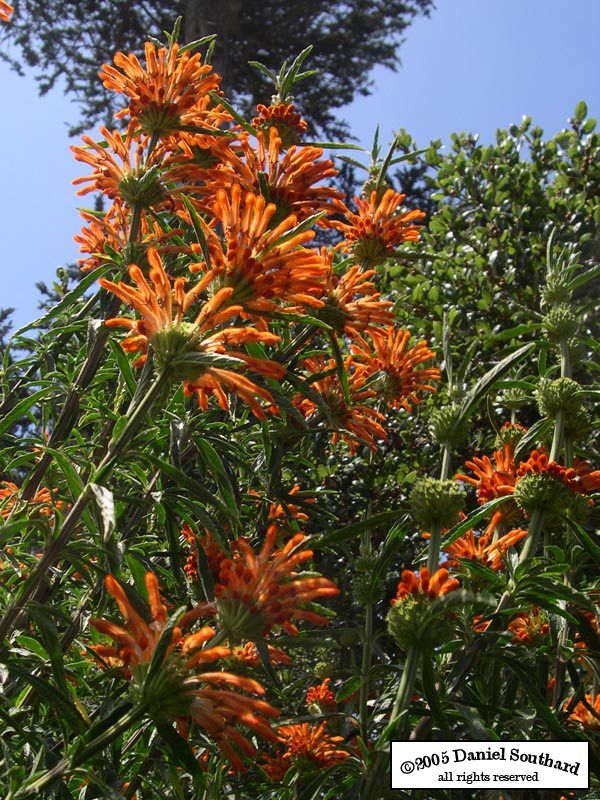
(5, 11)
(481, 550)
(165, 94)
(401, 365)
(373, 233)
(529, 629)
(352, 302)
(290, 180)
(583, 713)
(307, 747)
(355, 419)
(249, 656)
(494, 480)
(256, 592)
(321, 698)
(433, 586)
(263, 275)
(162, 309)
(42, 503)
(282, 116)
(179, 690)
(212, 550)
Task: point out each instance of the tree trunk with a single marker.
(205, 17)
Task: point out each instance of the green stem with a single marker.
(401, 704)
(557, 439)
(433, 553)
(445, 470)
(365, 669)
(56, 546)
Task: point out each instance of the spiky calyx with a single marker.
(447, 426)
(561, 323)
(436, 503)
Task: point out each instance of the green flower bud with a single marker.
(541, 492)
(446, 426)
(562, 322)
(562, 394)
(510, 433)
(436, 503)
(239, 620)
(556, 291)
(164, 694)
(514, 398)
(418, 622)
(142, 188)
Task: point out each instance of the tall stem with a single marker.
(59, 542)
(433, 553)
(365, 669)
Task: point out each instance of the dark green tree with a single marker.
(65, 40)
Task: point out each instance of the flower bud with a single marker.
(542, 492)
(414, 623)
(556, 291)
(510, 433)
(514, 398)
(561, 323)
(562, 394)
(142, 188)
(436, 503)
(447, 427)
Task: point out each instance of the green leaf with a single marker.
(581, 111)
(584, 539)
(472, 519)
(23, 407)
(181, 751)
(68, 299)
(479, 390)
(218, 100)
(350, 531)
(106, 507)
(164, 642)
(347, 688)
(50, 694)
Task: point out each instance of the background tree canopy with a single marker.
(68, 39)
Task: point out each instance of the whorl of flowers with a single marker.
(5, 11)
(307, 747)
(43, 502)
(256, 592)
(415, 619)
(404, 378)
(378, 227)
(351, 415)
(167, 92)
(181, 690)
(530, 628)
(587, 713)
(482, 550)
(320, 698)
(284, 118)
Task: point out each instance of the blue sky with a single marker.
(474, 65)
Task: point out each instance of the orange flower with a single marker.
(5, 11)
(249, 656)
(355, 419)
(424, 585)
(262, 273)
(494, 480)
(482, 550)
(584, 714)
(529, 629)
(212, 550)
(162, 309)
(374, 232)
(352, 302)
(106, 236)
(321, 697)
(283, 512)
(401, 365)
(289, 124)
(167, 92)
(180, 691)
(588, 479)
(291, 179)
(258, 591)
(43, 502)
(538, 464)
(307, 747)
